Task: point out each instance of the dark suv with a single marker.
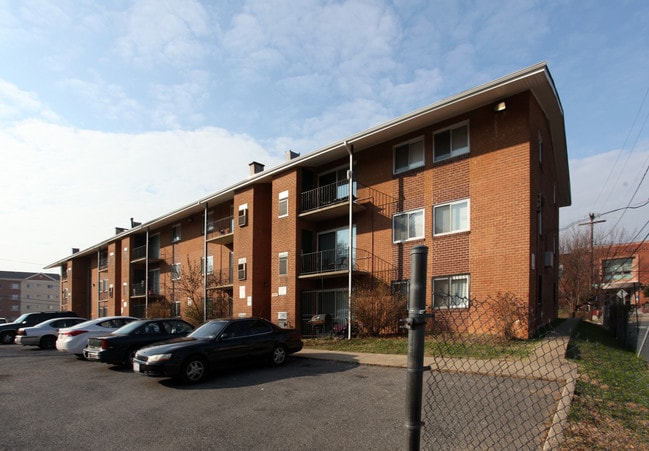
(8, 330)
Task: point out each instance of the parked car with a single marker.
(8, 331)
(216, 344)
(44, 334)
(3, 320)
(120, 346)
(74, 339)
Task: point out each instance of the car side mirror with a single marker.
(226, 335)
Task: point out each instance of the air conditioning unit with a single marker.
(243, 217)
(548, 260)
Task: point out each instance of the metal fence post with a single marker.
(416, 325)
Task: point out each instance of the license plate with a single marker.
(92, 356)
(136, 367)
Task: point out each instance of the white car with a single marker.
(44, 334)
(74, 339)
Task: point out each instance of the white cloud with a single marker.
(164, 32)
(16, 104)
(65, 187)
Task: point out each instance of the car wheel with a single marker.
(7, 338)
(48, 342)
(129, 357)
(278, 357)
(193, 370)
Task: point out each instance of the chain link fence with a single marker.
(630, 325)
(487, 390)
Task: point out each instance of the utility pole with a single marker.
(592, 258)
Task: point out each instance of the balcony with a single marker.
(221, 230)
(221, 280)
(333, 263)
(138, 289)
(138, 254)
(328, 201)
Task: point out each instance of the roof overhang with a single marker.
(536, 79)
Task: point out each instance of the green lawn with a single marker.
(610, 409)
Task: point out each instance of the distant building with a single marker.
(478, 178)
(24, 292)
(624, 272)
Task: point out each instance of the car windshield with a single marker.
(209, 330)
(21, 318)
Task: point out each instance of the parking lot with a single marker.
(52, 400)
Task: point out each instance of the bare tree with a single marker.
(193, 289)
(576, 270)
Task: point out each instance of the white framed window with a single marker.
(210, 265)
(451, 142)
(283, 263)
(243, 215)
(242, 269)
(451, 218)
(175, 233)
(451, 291)
(408, 226)
(175, 271)
(409, 155)
(283, 204)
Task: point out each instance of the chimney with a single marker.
(119, 230)
(135, 224)
(75, 250)
(289, 155)
(255, 168)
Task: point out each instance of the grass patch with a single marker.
(457, 347)
(610, 409)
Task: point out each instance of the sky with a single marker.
(118, 109)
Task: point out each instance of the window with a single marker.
(175, 233)
(618, 269)
(408, 226)
(451, 292)
(451, 142)
(243, 215)
(175, 308)
(283, 263)
(242, 269)
(409, 155)
(175, 271)
(400, 288)
(209, 222)
(452, 217)
(210, 265)
(283, 204)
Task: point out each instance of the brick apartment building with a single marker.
(25, 292)
(478, 178)
(623, 271)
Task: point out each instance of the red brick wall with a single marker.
(285, 239)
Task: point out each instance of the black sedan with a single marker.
(120, 346)
(215, 344)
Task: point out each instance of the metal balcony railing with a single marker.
(220, 227)
(326, 195)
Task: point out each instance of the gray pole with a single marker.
(416, 324)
